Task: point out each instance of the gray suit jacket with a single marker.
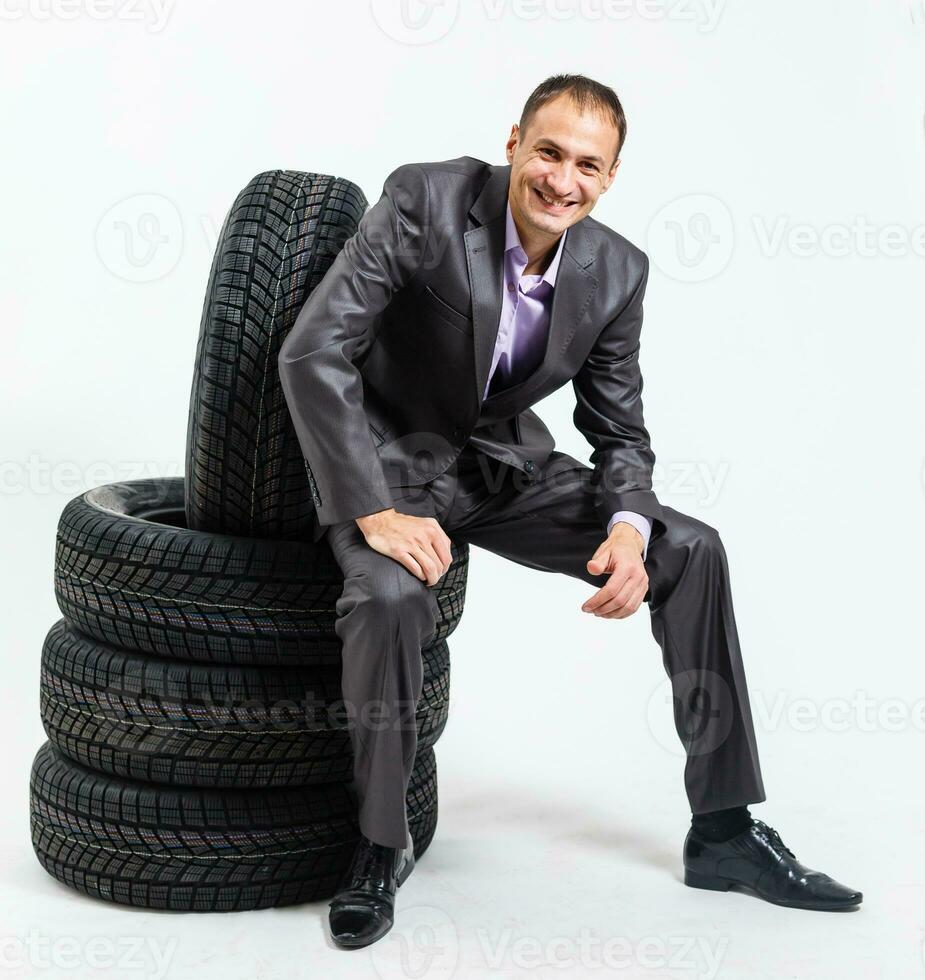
(384, 368)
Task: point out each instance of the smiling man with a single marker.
(469, 292)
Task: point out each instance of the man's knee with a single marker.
(387, 595)
(682, 531)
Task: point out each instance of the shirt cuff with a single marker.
(642, 524)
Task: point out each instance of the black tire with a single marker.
(199, 850)
(130, 573)
(245, 469)
(167, 721)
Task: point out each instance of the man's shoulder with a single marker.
(444, 177)
(464, 166)
(609, 245)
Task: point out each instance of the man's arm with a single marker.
(322, 385)
(608, 413)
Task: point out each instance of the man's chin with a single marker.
(549, 223)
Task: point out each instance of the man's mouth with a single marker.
(558, 204)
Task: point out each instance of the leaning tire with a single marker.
(130, 573)
(198, 850)
(173, 722)
(245, 469)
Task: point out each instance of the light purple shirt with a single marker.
(522, 333)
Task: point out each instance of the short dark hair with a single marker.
(585, 93)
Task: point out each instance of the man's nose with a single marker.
(560, 181)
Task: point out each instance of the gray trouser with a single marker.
(385, 615)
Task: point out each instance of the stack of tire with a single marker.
(198, 754)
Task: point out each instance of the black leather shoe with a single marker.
(363, 909)
(759, 860)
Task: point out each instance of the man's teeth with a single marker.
(553, 201)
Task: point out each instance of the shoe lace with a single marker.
(775, 837)
(360, 873)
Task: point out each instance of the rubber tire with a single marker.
(200, 850)
(128, 572)
(167, 721)
(245, 469)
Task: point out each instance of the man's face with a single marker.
(565, 155)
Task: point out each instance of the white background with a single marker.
(774, 171)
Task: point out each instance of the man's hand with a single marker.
(418, 543)
(621, 554)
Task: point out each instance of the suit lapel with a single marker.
(573, 291)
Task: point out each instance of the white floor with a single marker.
(519, 880)
(558, 849)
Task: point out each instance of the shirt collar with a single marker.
(512, 240)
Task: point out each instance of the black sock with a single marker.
(720, 825)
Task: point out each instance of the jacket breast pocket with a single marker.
(437, 305)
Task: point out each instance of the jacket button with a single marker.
(457, 431)
(528, 465)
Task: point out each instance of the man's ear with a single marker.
(511, 143)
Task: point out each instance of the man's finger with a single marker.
(411, 563)
(602, 559)
(426, 559)
(606, 591)
(440, 562)
(604, 594)
(589, 604)
(617, 602)
(444, 552)
(632, 604)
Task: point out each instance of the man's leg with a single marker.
(385, 616)
(552, 525)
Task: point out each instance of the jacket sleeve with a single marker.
(321, 383)
(608, 413)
